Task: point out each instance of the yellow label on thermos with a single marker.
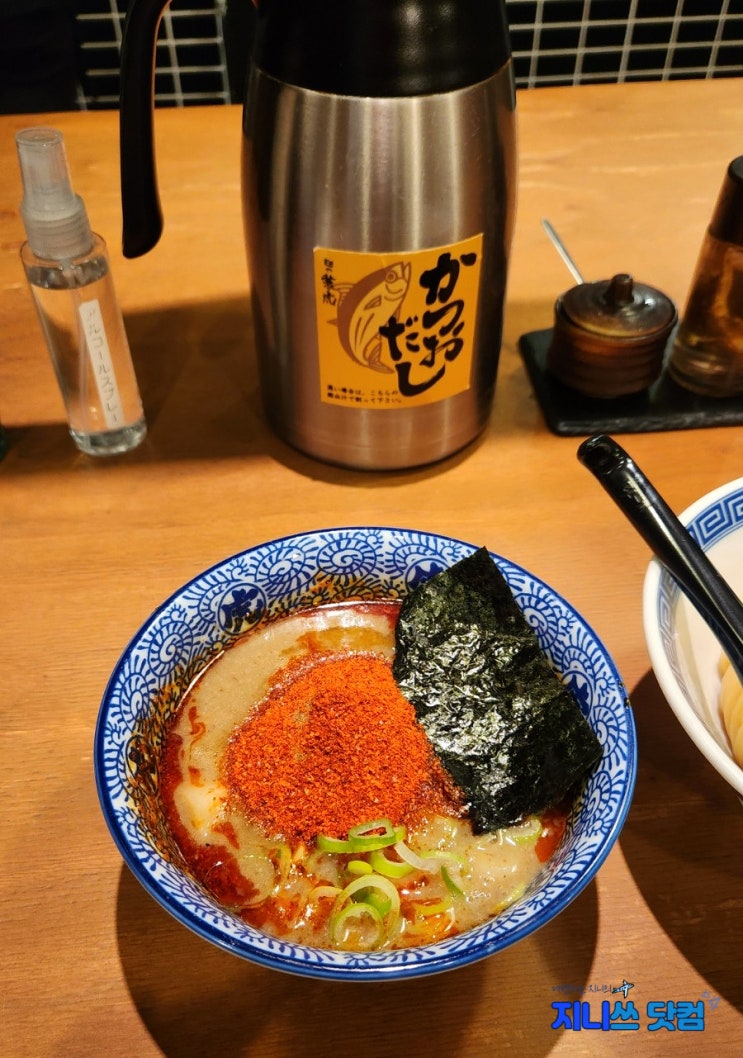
(396, 330)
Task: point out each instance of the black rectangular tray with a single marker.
(664, 406)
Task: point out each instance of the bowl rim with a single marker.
(694, 726)
(376, 965)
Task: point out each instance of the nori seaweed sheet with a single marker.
(506, 728)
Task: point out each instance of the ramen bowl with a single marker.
(243, 591)
(683, 650)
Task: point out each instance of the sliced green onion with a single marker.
(452, 868)
(322, 868)
(375, 899)
(371, 894)
(363, 838)
(444, 857)
(362, 830)
(355, 911)
(449, 882)
(366, 836)
(327, 844)
(433, 909)
(261, 871)
(324, 890)
(379, 861)
(430, 864)
(525, 833)
(371, 882)
(359, 867)
(284, 857)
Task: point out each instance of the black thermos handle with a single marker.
(140, 201)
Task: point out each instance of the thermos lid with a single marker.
(618, 307)
(727, 220)
(381, 48)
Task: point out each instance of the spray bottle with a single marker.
(68, 270)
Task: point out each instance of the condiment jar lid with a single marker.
(618, 307)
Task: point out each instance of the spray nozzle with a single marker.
(54, 216)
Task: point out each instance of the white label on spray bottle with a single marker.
(101, 362)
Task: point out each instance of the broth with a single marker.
(282, 843)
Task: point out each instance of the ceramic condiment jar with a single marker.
(609, 337)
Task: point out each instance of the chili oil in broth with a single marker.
(438, 877)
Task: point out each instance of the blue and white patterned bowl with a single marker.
(302, 570)
(683, 651)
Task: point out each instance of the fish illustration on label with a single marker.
(396, 330)
(366, 306)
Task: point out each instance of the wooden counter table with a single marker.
(91, 965)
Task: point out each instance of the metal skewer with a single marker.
(563, 251)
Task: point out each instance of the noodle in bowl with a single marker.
(293, 573)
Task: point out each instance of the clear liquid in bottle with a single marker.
(707, 356)
(82, 324)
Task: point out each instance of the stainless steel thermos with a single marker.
(378, 177)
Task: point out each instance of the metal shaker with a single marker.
(379, 171)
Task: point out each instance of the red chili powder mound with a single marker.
(335, 744)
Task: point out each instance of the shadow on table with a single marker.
(195, 999)
(682, 843)
(198, 376)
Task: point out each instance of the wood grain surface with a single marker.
(91, 966)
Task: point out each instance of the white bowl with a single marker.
(683, 650)
(211, 610)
